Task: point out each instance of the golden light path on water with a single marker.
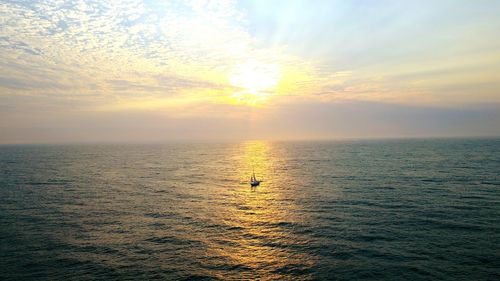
(348, 210)
(193, 212)
(260, 216)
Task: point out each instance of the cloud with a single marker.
(149, 46)
(77, 47)
(176, 58)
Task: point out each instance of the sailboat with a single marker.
(253, 180)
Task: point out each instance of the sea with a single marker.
(408, 209)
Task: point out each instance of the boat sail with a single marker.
(253, 180)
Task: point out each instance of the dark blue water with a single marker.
(347, 210)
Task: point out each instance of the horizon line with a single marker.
(242, 140)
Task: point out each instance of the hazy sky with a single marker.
(80, 71)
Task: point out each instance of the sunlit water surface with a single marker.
(347, 210)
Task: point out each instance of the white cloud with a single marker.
(73, 49)
(77, 47)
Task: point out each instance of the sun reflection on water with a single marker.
(206, 220)
(262, 236)
(255, 159)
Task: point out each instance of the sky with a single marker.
(141, 71)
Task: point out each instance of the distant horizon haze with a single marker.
(313, 121)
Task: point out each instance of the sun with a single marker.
(256, 81)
